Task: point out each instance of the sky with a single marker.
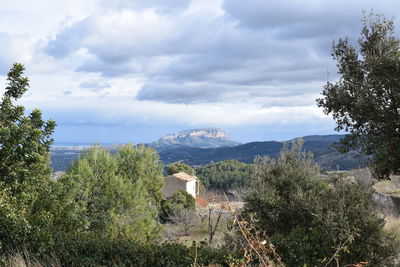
(117, 71)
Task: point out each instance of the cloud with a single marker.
(14, 48)
(159, 5)
(194, 56)
(193, 93)
(305, 19)
(95, 85)
(189, 63)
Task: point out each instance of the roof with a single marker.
(201, 202)
(183, 176)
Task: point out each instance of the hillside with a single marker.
(320, 145)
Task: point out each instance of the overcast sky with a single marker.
(115, 71)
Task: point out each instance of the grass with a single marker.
(393, 225)
(23, 259)
(387, 187)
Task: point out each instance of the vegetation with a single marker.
(311, 222)
(25, 216)
(187, 218)
(114, 196)
(178, 166)
(224, 175)
(103, 211)
(325, 154)
(365, 101)
(108, 210)
(179, 201)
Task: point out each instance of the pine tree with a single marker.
(110, 203)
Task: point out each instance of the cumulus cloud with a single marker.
(192, 63)
(190, 52)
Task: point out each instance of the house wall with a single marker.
(172, 185)
(191, 188)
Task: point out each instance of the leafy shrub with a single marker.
(93, 252)
(181, 200)
(311, 222)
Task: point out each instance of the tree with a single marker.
(365, 102)
(27, 191)
(224, 175)
(109, 201)
(186, 218)
(141, 163)
(24, 140)
(176, 167)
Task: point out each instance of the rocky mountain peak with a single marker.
(205, 133)
(203, 138)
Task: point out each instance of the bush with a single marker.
(93, 252)
(179, 201)
(311, 222)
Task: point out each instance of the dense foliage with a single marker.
(25, 217)
(176, 167)
(91, 252)
(366, 100)
(224, 175)
(179, 201)
(114, 196)
(310, 221)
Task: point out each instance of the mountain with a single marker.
(200, 138)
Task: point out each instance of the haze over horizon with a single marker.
(117, 71)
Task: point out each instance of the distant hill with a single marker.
(325, 154)
(195, 148)
(201, 138)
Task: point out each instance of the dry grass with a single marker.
(393, 225)
(387, 187)
(23, 259)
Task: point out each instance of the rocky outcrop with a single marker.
(201, 138)
(214, 133)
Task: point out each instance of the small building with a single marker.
(181, 181)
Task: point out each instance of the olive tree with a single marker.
(365, 102)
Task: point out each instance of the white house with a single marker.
(181, 181)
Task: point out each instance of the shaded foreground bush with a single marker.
(94, 252)
(314, 223)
